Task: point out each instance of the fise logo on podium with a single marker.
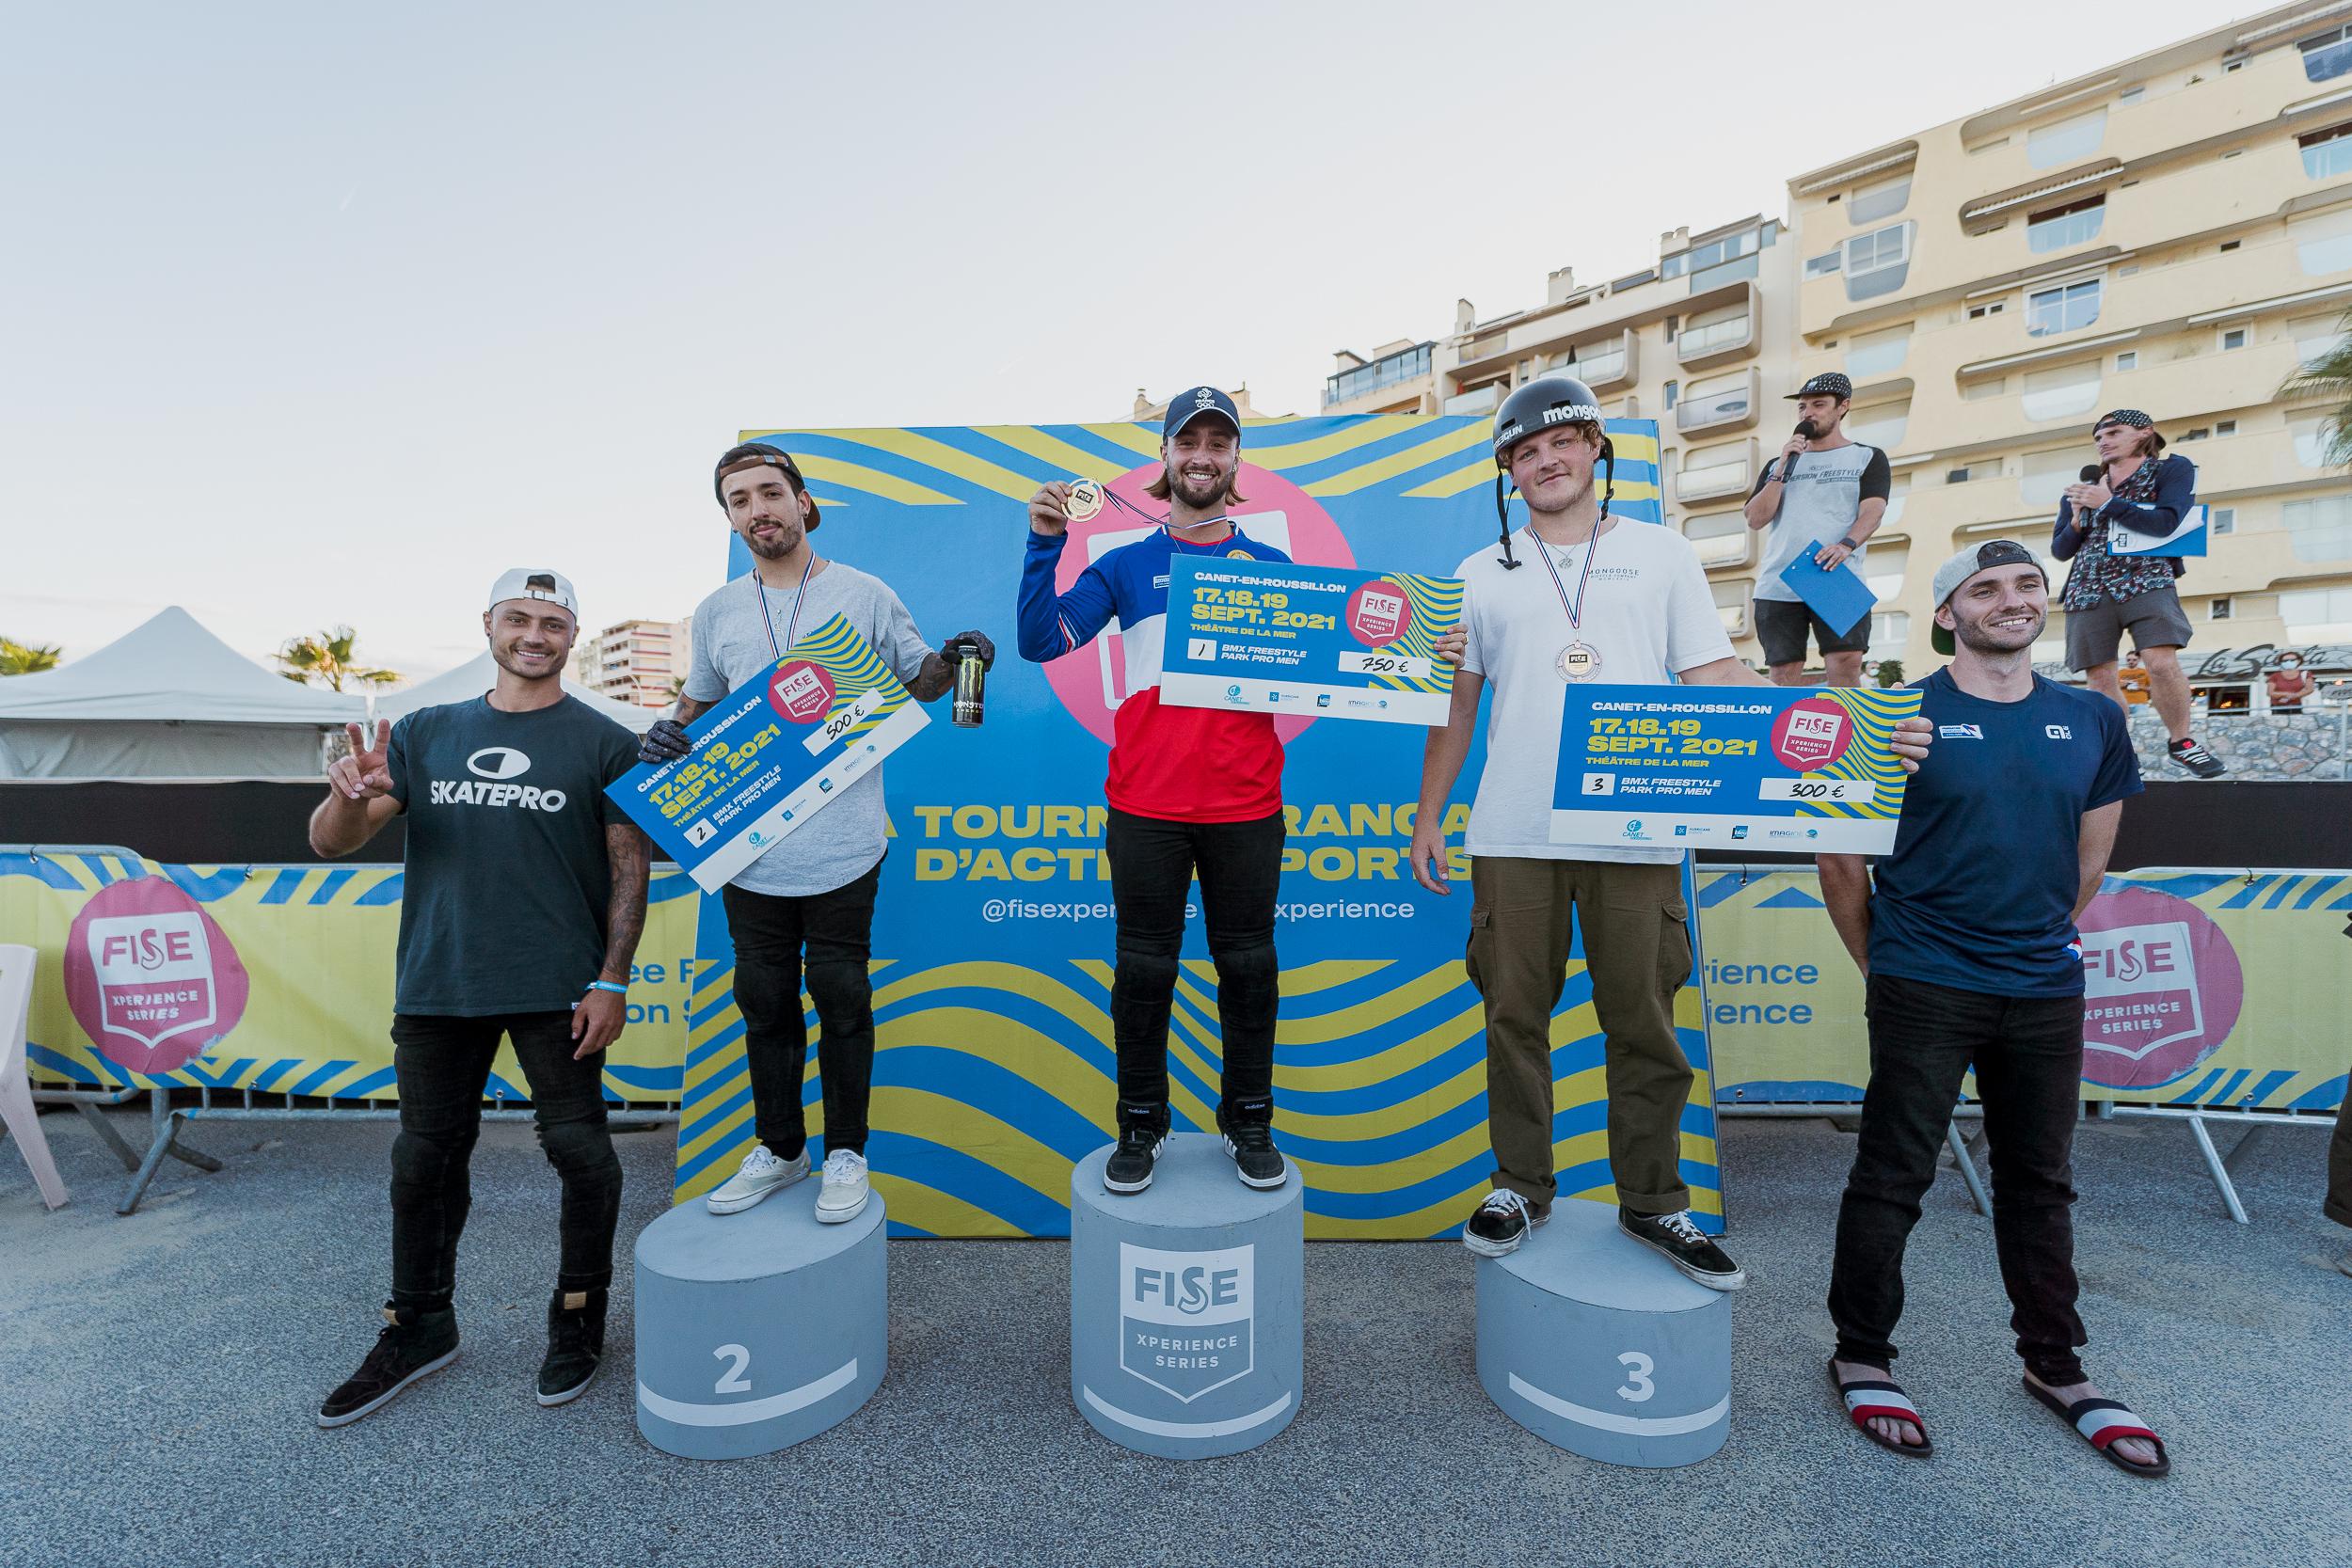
(1186, 1319)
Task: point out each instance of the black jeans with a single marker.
(837, 930)
(442, 1064)
(1152, 865)
(2027, 1052)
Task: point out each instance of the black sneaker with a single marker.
(1502, 1223)
(2195, 758)
(574, 1345)
(1255, 1159)
(1686, 1247)
(412, 1344)
(1129, 1168)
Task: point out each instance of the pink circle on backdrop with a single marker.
(802, 691)
(150, 977)
(2162, 988)
(1079, 679)
(1389, 617)
(1812, 734)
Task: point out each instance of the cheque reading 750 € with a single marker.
(1318, 642)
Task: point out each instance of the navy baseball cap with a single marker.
(1184, 407)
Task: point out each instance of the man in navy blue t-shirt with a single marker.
(1971, 956)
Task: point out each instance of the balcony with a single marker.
(1603, 365)
(1481, 400)
(1722, 539)
(1731, 409)
(1719, 335)
(1364, 381)
(1717, 471)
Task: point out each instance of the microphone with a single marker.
(1788, 464)
(2089, 475)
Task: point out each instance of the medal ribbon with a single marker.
(1584, 579)
(1133, 510)
(767, 619)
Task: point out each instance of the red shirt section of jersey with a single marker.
(1193, 763)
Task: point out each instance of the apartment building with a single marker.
(1702, 342)
(2172, 233)
(637, 661)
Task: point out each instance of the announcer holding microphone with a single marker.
(1825, 509)
(2136, 487)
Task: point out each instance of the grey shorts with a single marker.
(2155, 618)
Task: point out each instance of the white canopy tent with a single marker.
(167, 700)
(477, 676)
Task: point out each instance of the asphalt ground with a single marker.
(159, 1374)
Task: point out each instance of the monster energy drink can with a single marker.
(971, 681)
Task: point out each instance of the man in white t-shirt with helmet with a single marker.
(1576, 596)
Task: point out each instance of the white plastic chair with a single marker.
(16, 1090)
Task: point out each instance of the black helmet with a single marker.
(1548, 401)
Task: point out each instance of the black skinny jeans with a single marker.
(1152, 865)
(442, 1064)
(838, 930)
(2027, 1052)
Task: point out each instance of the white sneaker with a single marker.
(845, 1190)
(760, 1174)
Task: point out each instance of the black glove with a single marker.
(978, 641)
(665, 742)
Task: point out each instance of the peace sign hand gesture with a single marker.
(366, 774)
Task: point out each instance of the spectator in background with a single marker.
(2146, 493)
(2291, 685)
(2133, 679)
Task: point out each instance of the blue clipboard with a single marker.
(1840, 598)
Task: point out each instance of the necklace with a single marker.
(767, 617)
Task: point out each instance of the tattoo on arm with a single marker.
(624, 913)
(688, 709)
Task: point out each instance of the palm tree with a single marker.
(25, 659)
(2328, 379)
(326, 658)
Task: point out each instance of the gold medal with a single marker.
(1086, 499)
(1578, 661)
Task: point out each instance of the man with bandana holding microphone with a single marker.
(1575, 596)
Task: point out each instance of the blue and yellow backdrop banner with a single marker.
(994, 931)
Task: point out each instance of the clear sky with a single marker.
(328, 314)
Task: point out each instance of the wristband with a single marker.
(1848, 545)
(607, 985)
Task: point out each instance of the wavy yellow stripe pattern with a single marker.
(1875, 714)
(992, 1079)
